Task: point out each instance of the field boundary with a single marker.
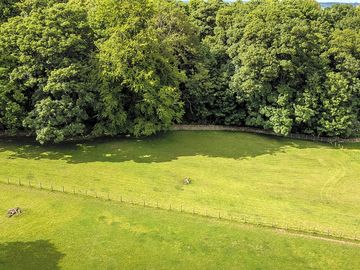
(220, 215)
(264, 132)
(194, 127)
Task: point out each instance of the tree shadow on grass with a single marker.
(37, 255)
(163, 147)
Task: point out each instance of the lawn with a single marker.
(275, 180)
(60, 231)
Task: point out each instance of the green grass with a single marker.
(58, 231)
(275, 180)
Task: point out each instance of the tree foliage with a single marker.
(72, 68)
(50, 46)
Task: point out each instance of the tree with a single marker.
(47, 87)
(143, 48)
(203, 14)
(341, 96)
(73, 68)
(276, 47)
(208, 98)
(8, 9)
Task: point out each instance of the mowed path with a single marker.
(270, 179)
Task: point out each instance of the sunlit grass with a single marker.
(59, 231)
(275, 180)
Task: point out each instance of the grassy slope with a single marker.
(273, 179)
(59, 231)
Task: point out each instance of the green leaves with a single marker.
(139, 58)
(51, 48)
(287, 58)
(103, 67)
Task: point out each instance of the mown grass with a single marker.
(58, 231)
(275, 180)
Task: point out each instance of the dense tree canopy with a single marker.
(285, 64)
(143, 46)
(46, 87)
(71, 68)
(8, 9)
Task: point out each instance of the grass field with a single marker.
(272, 179)
(59, 231)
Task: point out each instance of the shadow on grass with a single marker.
(160, 148)
(37, 255)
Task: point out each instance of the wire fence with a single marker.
(186, 209)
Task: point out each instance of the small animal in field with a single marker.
(14, 211)
(187, 181)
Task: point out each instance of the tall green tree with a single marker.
(276, 48)
(46, 88)
(208, 98)
(340, 114)
(143, 51)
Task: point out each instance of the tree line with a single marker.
(72, 68)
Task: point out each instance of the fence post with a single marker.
(121, 199)
(40, 185)
(63, 189)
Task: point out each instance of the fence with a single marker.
(208, 213)
(265, 132)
